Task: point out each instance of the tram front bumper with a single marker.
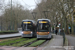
(43, 36)
(27, 35)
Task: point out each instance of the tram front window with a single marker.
(43, 27)
(27, 27)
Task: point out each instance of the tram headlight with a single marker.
(37, 32)
(31, 32)
(48, 32)
(21, 32)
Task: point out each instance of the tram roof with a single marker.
(29, 20)
(44, 19)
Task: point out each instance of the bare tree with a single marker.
(60, 10)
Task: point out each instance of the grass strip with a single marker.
(11, 41)
(17, 41)
(24, 42)
(36, 43)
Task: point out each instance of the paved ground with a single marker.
(10, 35)
(71, 40)
(16, 48)
(56, 41)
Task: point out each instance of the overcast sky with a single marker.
(30, 4)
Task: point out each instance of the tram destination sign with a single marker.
(43, 22)
(26, 22)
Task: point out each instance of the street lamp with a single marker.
(59, 27)
(46, 13)
(34, 14)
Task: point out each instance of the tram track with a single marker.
(45, 42)
(13, 42)
(9, 39)
(26, 43)
(23, 42)
(41, 44)
(30, 43)
(17, 42)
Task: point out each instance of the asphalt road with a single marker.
(10, 35)
(71, 40)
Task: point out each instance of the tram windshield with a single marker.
(43, 27)
(27, 27)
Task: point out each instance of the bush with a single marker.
(8, 32)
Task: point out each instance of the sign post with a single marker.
(59, 28)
